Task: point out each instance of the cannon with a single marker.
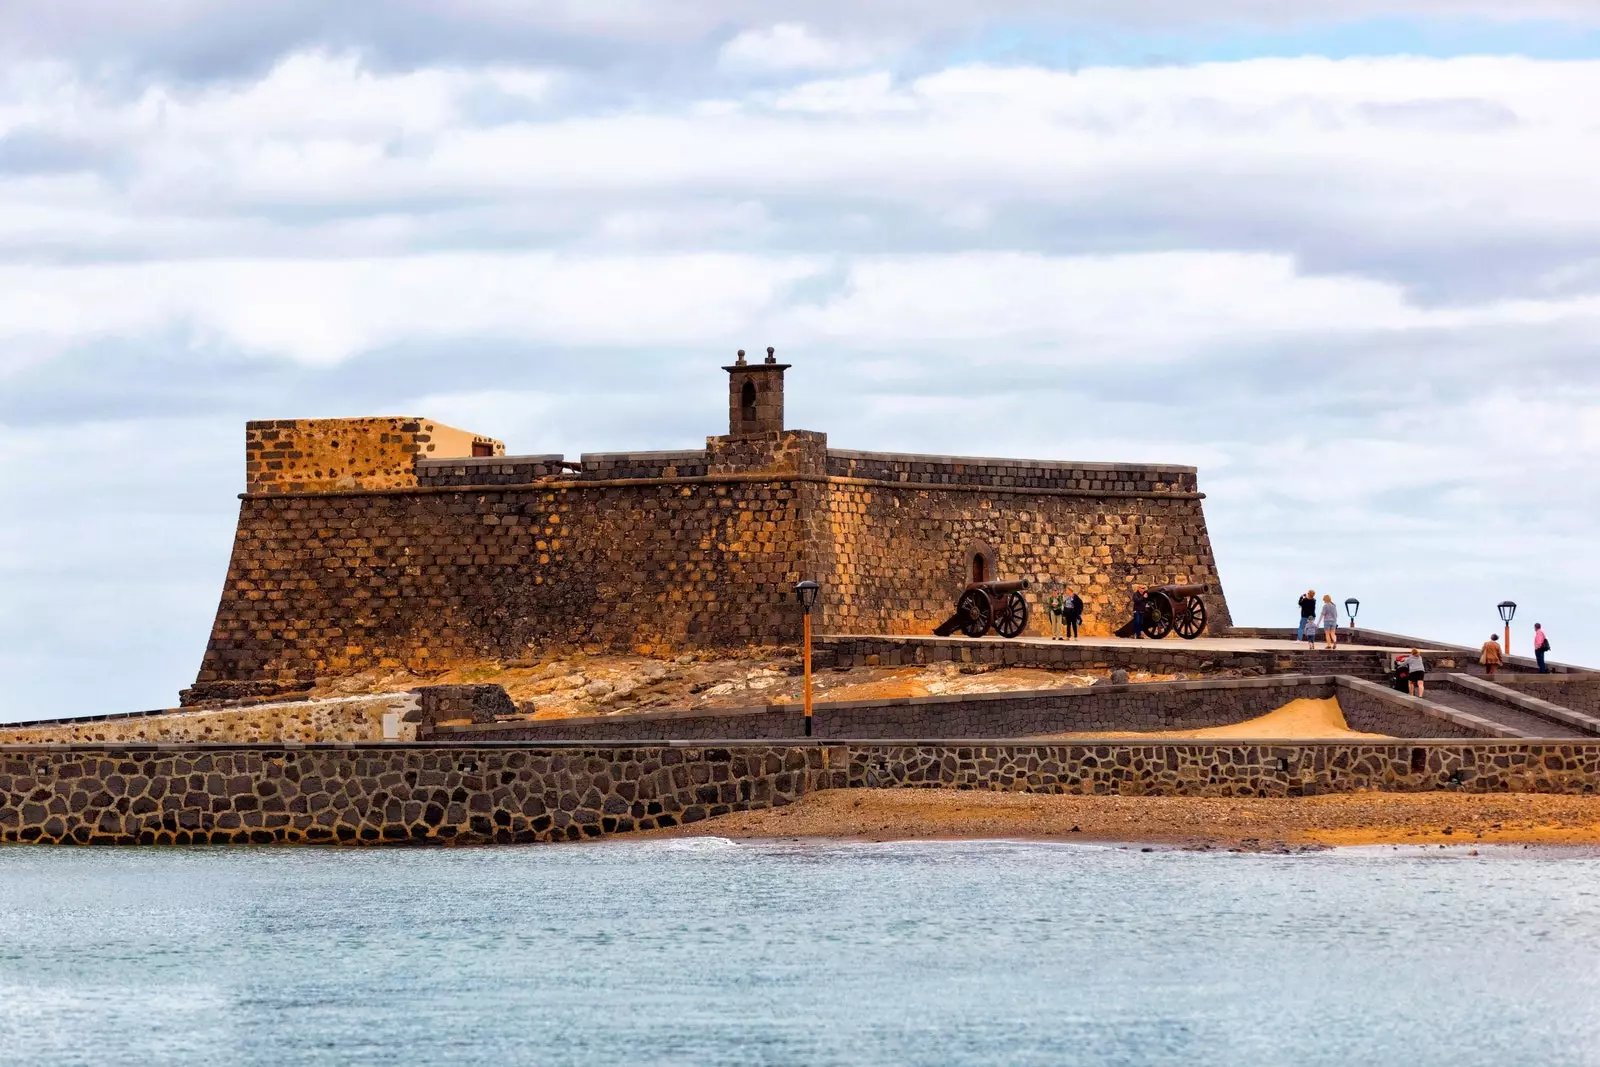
(983, 605)
(1172, 607)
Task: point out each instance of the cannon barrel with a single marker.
(1016, 585)
(1180, 590)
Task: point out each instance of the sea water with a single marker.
(710, 952)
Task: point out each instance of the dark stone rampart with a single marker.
(431, 576)
(432, 794)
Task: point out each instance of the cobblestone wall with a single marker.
(443, 794)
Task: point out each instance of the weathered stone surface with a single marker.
(476, 703)
(385, 794)
(361, 718)
(375, 557)
(1137, 708)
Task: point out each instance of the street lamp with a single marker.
(1508, 611)
(806, 592)
(1351, 606)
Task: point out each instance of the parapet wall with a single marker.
(329, 455)
(126, 794)
(364, 718)
(1090, 478)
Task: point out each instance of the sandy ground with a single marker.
(578, 684)
(1194, 822)
(1298, 720)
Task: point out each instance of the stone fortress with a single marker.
(405, 543)
(402, 544)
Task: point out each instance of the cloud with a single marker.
(1360, 294)
(792, 46)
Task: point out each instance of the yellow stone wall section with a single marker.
(329, 455)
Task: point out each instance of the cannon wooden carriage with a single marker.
(989, 605)
(1169, 608)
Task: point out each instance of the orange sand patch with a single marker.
(1299, 720)
(1222, 822)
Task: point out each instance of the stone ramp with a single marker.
(1441, 690)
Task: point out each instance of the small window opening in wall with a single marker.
(747, 401)
(480, 448)
(1419, 760)
(980, 568)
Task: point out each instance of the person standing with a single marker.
(1141, 604)
(1072, 612)
(1330, 623)
(1308, 611)
(1416, 673)
(1491, 656)
(1541, 645)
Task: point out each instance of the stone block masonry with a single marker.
(326, 455)
(420, 555)
(427, 794)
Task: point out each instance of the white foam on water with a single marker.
(693, 844)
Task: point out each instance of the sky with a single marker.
(1342, 257)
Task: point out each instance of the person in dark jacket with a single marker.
(1141, 604)
(1071, 611)
(1308, 612)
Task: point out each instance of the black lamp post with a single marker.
(806, 592)
(1508, 611)
(1351, 606)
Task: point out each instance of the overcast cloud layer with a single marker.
(1361, 293)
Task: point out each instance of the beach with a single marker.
(1212, 822)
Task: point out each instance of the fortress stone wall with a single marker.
(462, 794)
(426, 560)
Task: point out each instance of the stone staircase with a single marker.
(1529, 715)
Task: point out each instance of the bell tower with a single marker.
(755, 396)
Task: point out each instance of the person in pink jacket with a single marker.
(1541, 645)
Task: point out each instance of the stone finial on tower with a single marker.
(755, 395)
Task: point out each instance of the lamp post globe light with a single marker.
(1351, 606)
(1508, 611)
(807, 592)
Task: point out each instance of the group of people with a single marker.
(1312, 620)
(1491, 655)
(1066, 613)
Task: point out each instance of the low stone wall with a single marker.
(915, 469)
(488, 470)
(368, 718)
(1580, 692)
(1373, 709)
(1136, 708)
(1171, 656)
(110, 794)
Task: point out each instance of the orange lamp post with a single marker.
(1508, 611)
(806, 592)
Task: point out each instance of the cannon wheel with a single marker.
(1159, 622)
(974, 607)
(1191, 620)
(1011, 617)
